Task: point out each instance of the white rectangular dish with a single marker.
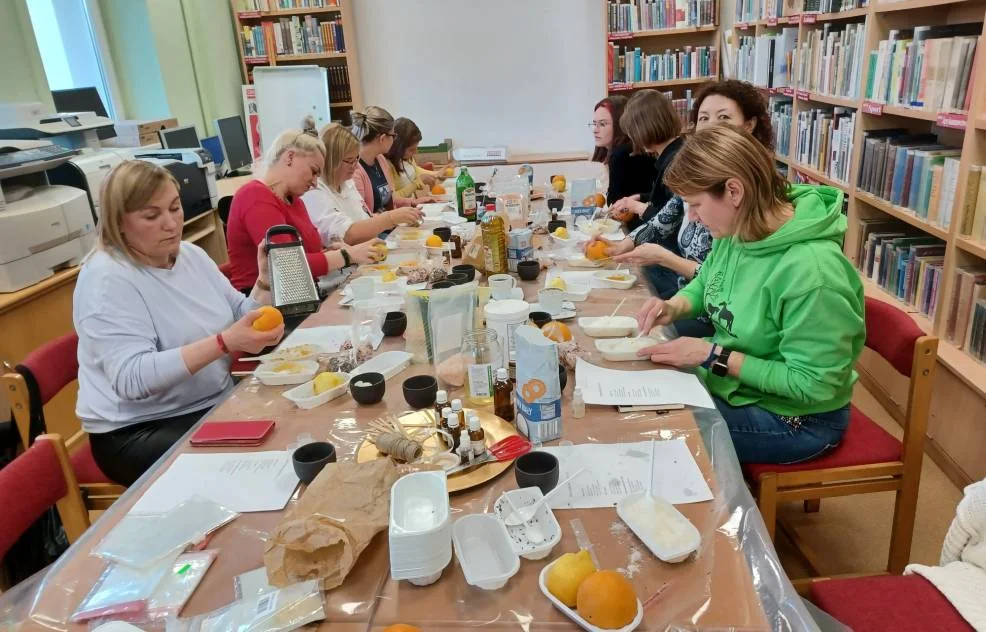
(608, 326)
(388, 363)
(304, 370)
(544, 525)
(304, 396)
(666, 531)
(483, 549)
(574, 615)
(624, 349)
(602, 278)
(577, 285)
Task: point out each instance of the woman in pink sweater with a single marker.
(374, 127)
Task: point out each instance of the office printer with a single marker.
(193, 187)
(87, 172)
(33, 121)
(198, 157)
(43, 227)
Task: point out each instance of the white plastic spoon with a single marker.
(518, 518)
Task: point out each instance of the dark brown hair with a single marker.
(650, 119)
(407, 133)
(614, 105)
(750, 100)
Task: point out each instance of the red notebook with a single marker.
(232, 433)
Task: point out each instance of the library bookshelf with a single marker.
(345, 90)
(957, 428)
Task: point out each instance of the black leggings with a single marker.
(125, 454)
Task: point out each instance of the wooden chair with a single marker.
(868, 459)
(32, 384)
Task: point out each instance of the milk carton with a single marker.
(538, 392)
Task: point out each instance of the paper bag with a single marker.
(323, 534)
(538, 390)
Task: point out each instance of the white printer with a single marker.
(87, 171)
(198, 157)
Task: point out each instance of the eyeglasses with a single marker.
(599, 124)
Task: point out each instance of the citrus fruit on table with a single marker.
(402, 627)
(600, 200)
(559, 283)
(559, 183)
(561, 232)
(438, 190)
(606, 600)
(326, 382)
(388, 277)
(566, 575)
(449, 172)
(597, 250)
(433, 241)
(270, 317)
(559, 332)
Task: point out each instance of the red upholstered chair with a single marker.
(868, 459)
(32, 384)
(227, 270)
(36, 480)
(889, 603)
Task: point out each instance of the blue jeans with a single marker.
(760, 436)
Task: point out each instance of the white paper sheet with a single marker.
(242, 481)
(329, 336)
(639, 388)
(616, 470)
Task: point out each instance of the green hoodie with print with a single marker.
(793, 304)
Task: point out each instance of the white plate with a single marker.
(388, 363)
(624, 349)
(608, 326)
(264, 373)
(666, 520)
(567, 310)
(574, 615)
(516, 293)
(304, 395)
(620, 285)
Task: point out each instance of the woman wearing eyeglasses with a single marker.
(374, 127)
(629, 173)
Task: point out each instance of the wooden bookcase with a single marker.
(658, 41)
(957, 429)
(342, 10)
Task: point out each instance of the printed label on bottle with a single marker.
(481, 380)
(469, 201)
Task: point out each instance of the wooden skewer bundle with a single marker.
(390, 437)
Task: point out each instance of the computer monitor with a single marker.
(215, 148)
(83, 100)
(232, 135)
(180, 138)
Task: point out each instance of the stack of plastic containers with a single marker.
(420, 528)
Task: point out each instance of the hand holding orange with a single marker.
(597, 250)
(270, 317)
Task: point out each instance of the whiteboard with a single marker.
(520, 73)
(286, 94)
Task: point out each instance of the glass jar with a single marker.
(481, 354)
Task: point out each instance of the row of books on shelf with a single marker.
(280, 5)
(965, 326)
(825, 140)
(688, 62)
(254, 42)
(307, 36)
(650, 15)
(765, 60)
(974, 204)
(907, 264)
(927, 67)
(829, 60)
(780, 121)
(913, 171)
(754, 10)
(683, 106)
(339, 90)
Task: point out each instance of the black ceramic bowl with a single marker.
(372, 391)
(444, 232)
(562, 376)
(394, 323)
(528, 270)
(420, 391)
(458, 278)
(555, 224)
(465, 268)
(310, 458)
(539, 318)
(439, 285)
(537, 469)
(555, 204)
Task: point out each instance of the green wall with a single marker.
(138, 73)
(23, 73)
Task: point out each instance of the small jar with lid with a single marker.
(481, 352)
(477, 436)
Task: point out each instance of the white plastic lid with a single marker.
(441, 397)
(501, 374)
(446, 410)
(452, 420)
(473, 423)
(456, 404)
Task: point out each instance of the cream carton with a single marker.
(538, 392)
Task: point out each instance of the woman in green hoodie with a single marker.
(786, 304)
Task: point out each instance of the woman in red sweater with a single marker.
(294, 163)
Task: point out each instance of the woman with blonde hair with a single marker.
(335, 206)
(374, 127)
(293, 165)
(786, 304)
(157, 323)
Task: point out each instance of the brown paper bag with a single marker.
(323, 534)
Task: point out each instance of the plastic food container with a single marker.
(304, 395)
(388, 363)
(608, 326)
(306, 370)
(543, 521)
(659, 525)
(624, 349)
(574, 615)
(420, 528)
(604, 278)
(577, 286)
(483, 549)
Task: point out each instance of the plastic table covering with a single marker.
(735, 581)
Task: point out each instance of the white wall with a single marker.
(521, 73)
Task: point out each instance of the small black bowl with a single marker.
(444, 232)
(310, 458)
(420, 391)
(556, 204)
(394, 323)
(440, 285)
(540, 318)
(556, 223)
(562, 376)
(458, 278)
(467, 269)
(537, 469)
(372, 393)
(480, 187)
(528, 270)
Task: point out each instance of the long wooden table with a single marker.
(713, 589)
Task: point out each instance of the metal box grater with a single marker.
(292, 287)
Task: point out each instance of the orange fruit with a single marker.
(559, 183)
(600, 200)
(597, 250)
(402, 627)
(269, 318)
(559, 332)
(437, 189)
(449, 172)
(606, 600)
(433, 241)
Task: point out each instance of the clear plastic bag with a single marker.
(122, 590)
(279, 610)
(177, 586)
(145, 540)
(451, 313)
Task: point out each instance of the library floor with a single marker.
(852, 534)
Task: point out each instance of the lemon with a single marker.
(388, 277)
(286, 367)
(561, 232)
(566, 575)
(326, 382)
(559, 283)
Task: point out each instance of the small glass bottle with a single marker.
(465, 453)
(578, 404)
(456, 247)
(454, 429)
(477, 436)
(441, 401)
(481, 352)
(460, 413)
(503, 405)
(443, 419)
